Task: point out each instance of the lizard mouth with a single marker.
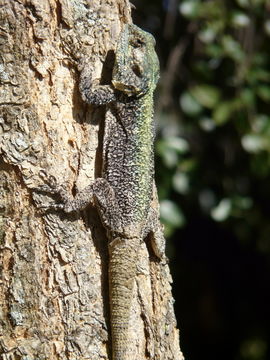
(126, 88)
(129, 86)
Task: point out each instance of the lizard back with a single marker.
(128, 151)
(128, 155)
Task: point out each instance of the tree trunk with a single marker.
(54, 285)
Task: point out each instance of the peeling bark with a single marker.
(54, 286)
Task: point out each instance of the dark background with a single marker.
(213, 169)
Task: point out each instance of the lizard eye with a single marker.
(137, 71)
(138, 43)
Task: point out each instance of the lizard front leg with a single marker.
(95, 94)
(99, 191)
(154, 228)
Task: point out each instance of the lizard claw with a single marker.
(51, 188)
(52, 206)
(46, 189)
(49, 207)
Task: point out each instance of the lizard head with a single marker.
(136, 68)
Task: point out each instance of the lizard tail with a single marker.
(122, 272)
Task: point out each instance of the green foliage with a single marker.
(213, 169)
(215, 143)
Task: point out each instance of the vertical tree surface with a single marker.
(54, 285)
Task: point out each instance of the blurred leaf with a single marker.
(169, 149)
(222, 211)
(207, 199)
(253, 143)
(232, 48)
(256, 75)
(207, 124)
(213, 10)
(214, 51)
(207, 35)
(169, 158)
(253, 349)
(188, 165)
(223, 112)
(264, 92)
(247, 97)
(256, 3)
(261, 124)
(189, 105)
(181, 182)
(242, 202)
(240, 19)
(171, 213)
(189, 8)
(267, 27)
(206, 95)
(259, 170)
(175, 143)
(244, 3)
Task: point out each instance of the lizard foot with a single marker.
(51, 188)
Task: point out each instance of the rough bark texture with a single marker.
(54, 285)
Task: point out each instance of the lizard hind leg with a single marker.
(100, 191)
(155, 229)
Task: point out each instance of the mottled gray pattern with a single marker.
(124, 193)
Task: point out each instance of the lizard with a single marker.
(124, 193)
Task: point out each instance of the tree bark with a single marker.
(54, 286)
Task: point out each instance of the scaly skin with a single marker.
(123, 195)
(128, 166)
(122, 272)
